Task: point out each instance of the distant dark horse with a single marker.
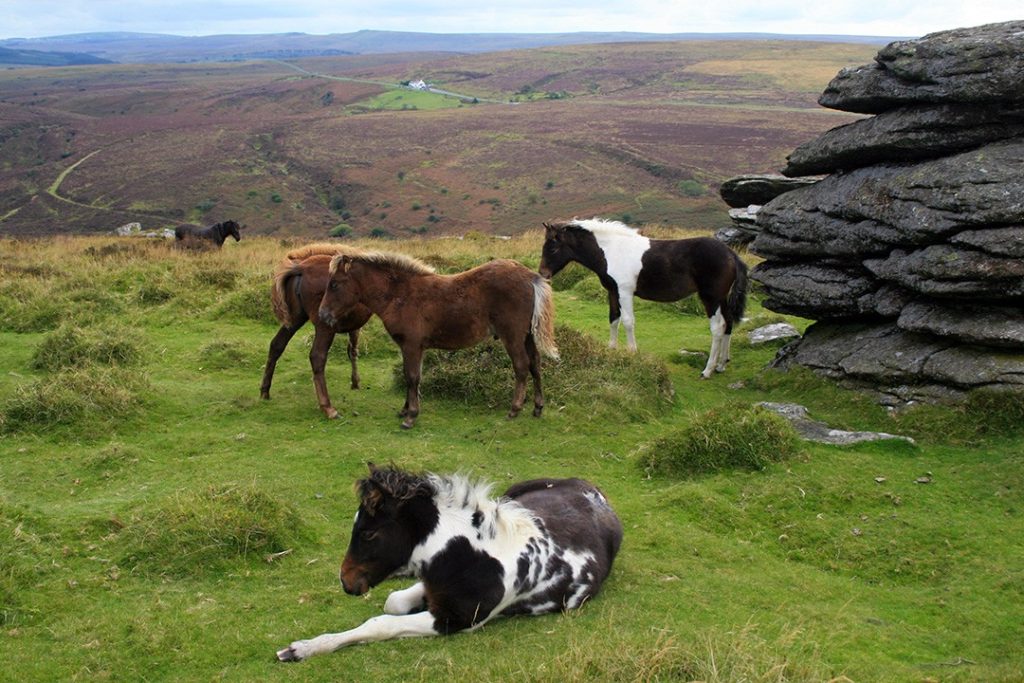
(546, 545)
(196, 237)
(422, 310)
(299, 284)
(629, 264)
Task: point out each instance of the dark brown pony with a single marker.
(422, 310)
(299, 284)
(198, 238)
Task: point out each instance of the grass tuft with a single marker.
(248, 300)
(22, 562)
(73, 346)
(742, 654)
(193, 532)
(590, 377)
(91, 398)
(724, 438)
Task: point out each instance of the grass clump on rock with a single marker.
(726, 438)
(589, 377)
(192, 532)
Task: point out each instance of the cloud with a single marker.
(33, 18)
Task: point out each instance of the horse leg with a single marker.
(383, 627)
(318, 361)
(538, 393)
(353, 356)
(614, 314)
(277, 347)
(412, 365)
(717, 325)
(628, 319)
(407, 601)
(521, 366)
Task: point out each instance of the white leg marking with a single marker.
(384, 627)
(724, 353)
(717, 325)
(613, 339)
(628, 319)
(405, 601)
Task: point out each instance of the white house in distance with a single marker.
(418, 84)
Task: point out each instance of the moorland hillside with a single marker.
(642, 131)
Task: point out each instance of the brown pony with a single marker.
(422, 310)
(299, 283)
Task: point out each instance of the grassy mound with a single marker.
(730, 437)
(589, 378)
(91, 398)
(193, 532)
(248, 299)
(23, 560)
(72, 346)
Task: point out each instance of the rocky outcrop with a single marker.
(746, 194)
(911, 252)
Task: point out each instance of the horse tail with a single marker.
(283, 275)
(737, 301)
(542, 326)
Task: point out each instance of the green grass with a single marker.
(409, 99)
(185, 530)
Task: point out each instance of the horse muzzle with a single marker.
(326, 317)
(545, 272)
(353, 578)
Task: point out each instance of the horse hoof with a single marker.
(331, 413)
(537, 410)
(288, 655)
(265, 395)
(408, 424)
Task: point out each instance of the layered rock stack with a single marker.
(910, 253)
(745, 195)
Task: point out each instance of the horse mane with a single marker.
(387, 259)
(510, 519)
(319, 249)
(603, 227)
(289, 267)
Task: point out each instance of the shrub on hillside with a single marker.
(73, 346)
(726, 438)
(193, 532)
(589, 378)
(92, 398)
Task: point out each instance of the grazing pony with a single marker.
(422, 310)
(300, 281)
(627, 264)
(545, 546)
(194, 236)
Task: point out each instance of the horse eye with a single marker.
(333, 286)
(368, 535)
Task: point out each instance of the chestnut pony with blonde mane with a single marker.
(300, 281)
(423, 310)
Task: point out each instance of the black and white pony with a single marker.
(545, 546)
(214, 235)
(628, 264)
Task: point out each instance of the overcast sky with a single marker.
(35, 18)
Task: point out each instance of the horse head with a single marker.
(232, 228)
(557, 251)
(396, 512)
(340, 297)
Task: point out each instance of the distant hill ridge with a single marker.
(157, 47)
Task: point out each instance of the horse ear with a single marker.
(371, 495)
(346, 263)
(373, 468)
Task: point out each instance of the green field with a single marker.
(160, 522)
